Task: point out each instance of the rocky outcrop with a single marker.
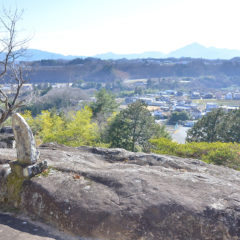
(6, 130)
(115, 194)
(6, 137)
(26, 165)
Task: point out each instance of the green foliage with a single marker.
(163, 146)
(103, 109)
(126, 93)
(105, 104)
(227, 154)
(76, 129)
(229, 127)
(78, 83)
(79, 130)
(33, 123)
(178, 116)
(57, 103)
(133, 127)
(216, 126)
(160, 132)
(51, 127)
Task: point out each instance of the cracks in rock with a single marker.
(116, 203)
(110, 183)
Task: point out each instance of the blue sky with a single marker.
(88, 27)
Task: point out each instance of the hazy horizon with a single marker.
(87, 28)
(129, 53)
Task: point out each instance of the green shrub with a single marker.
(226, 154)
(163, 146)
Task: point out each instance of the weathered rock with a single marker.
(3, 144)
(35, 169)
(27, 171)
(25, 142)
(114, 194)
(22, 228)
(6, 140)
(6, 130)
(6, 137)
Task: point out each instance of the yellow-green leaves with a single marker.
(75, 129)
(51, 127)
(79, 129)
(227, 154)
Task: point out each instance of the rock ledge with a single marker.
(115, 194)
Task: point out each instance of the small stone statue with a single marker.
(25, 142)
(27, 153)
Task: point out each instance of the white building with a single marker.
(229, 96)
(211, 106)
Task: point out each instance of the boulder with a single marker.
(6, 130)
(3, 144)
(115, 194)
(6, 137)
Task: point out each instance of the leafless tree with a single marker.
(11, 48)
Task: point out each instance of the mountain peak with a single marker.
(196, 50)
(193, 50)
(194, 44)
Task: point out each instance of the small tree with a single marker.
(10, 70)
(229, 127)
(133, 127)
(207, 128)
(104, 106)
(178, 116)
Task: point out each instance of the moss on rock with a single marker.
(14, 188)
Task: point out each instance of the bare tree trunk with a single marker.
(10, 50)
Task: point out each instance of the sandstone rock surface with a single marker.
(21, 228)
(115, 194)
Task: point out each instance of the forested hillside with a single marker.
(199, 72)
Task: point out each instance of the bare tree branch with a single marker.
(11, 48)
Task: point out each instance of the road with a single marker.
(179, 135)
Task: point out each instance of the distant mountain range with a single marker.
(193, 50)
(115, 56)
(36, 55)
(196, 50)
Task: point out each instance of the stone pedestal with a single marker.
(27, 171)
